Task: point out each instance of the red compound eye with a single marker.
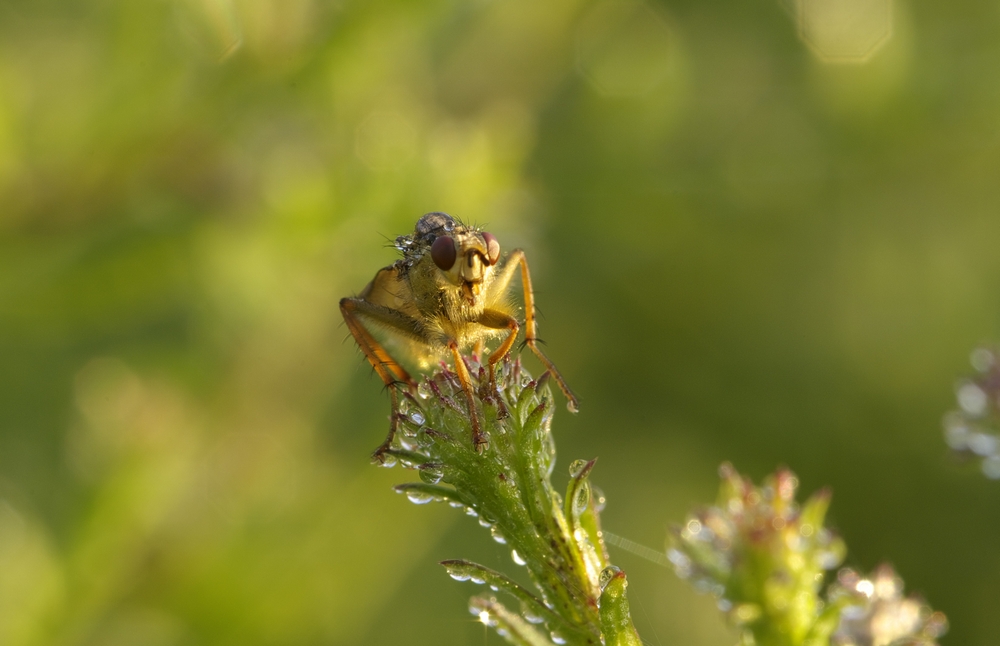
(443, 252)
(492, 248)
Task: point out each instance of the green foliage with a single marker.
(742, 252)
(579, 598)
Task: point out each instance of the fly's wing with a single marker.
(390, 290)
(399, 316)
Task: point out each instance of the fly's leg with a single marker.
(516, 259)
(387, 368)
(498, 321)
(479, 440)
(379, 453)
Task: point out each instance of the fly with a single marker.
(449, 292)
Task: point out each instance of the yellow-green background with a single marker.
(742, 251)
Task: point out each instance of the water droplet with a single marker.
(745, 613)
(684, 570)
(529, 614)
(956, 431)
(692, 530)
(957, 438)
(725, 605)
(572, 407)
(385, 460)
(853, 613)
(485, 523)
(983, 444)
(557, 638)
(418, 497)
(469, 511)
(828, 559)
(676, 556)
(417, 418)
(702, 585)
(517, 558)
(607, 574)
(497, 535)
(991, 467)
(581, 500)
(423, 390)
(431, 474)
(576, 467)
(459, 575)
(424, 439)
(972, 399)
(477, 578)
(982, 359)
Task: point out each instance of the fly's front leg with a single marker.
(387, 368)
(516, 259)
(498, 321)
(479, 440)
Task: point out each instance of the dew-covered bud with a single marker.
(760, 552)
(972, 430)
(876, 613)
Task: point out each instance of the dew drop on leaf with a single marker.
(581, 500)
(431, 475)
(419, 497)
(607, 574)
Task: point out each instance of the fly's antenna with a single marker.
(389, 242)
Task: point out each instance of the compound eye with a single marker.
(492, 247)
(443, 252)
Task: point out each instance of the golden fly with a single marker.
(449, 292)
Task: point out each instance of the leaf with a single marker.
(616, 619)
(462, 570)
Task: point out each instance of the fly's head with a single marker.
(460, 257)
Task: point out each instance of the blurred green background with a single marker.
(763, 232)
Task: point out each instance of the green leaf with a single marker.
(616, 619)
(532, 606)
